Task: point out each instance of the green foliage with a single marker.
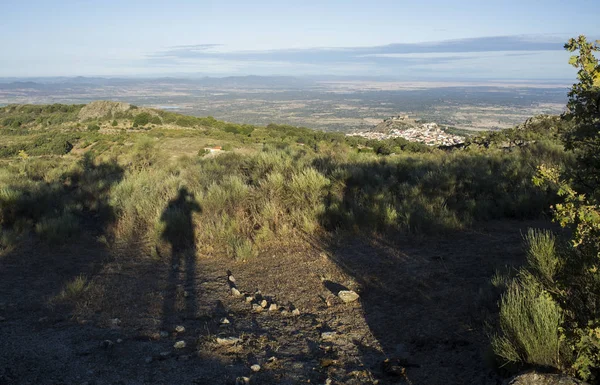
(584, 112)
(93, 127)
(114, 123)
(529, 321)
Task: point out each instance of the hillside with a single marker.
(131, 254)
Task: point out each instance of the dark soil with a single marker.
(423, 306)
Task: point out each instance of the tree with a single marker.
(584, 111)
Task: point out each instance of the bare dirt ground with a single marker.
(423, 305)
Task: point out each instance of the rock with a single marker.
(228, 341)
(179, 345)
(264, 303)
(257, 308)
(164, 334)
(348, 296)
(534, 378)
(119, 341)
(327, 362)
(224, 321)
(328, 381)
(231, 279)
(242, 381)
(296, 312)
(273, 307)
(235, 292)
(328, 336)
(255, 368)
(249, 298)
(115, 322)
(164, 355)
(284, 312)
(179, 329)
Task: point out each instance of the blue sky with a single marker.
(394, 38)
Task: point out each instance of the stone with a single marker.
(328, 336)
(264, 303)
(257, 308)
(273, 307)
(231, 279)
(348, 296)
(224, 321)
(255, 368)
(284, 312)
(235, 292)
(119, 341)
(249, 298)
(115, 322)
(164, 334)
(228, 341)
(242, 381)
(164, 355)
(296, 312)
(180, 329)
(179, 345)
(533, 378)
(328, 381)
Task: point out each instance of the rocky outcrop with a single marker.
(534, 378)
(102, 109)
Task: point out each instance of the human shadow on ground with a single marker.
(179, 234)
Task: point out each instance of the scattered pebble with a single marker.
(348, 296)
(284, 312)
(328, 381)
(264, 303)
(255, 367)
(242, 381)
(328, 336)
(115, 322)
(231, 279)
(249, 298)
(228, 341)
(224, 321)
(179, 345)
(296, 312)
(273, 307)
(235, 292)
(257, 308)
(119, 341)
(179, 329)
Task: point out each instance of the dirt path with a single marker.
(423, 306)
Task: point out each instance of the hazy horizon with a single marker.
(400, 40)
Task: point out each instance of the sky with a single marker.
(410, 40)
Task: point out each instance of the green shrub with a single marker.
(529, 324)
(58, 229)
(93, 127)
(114, 123)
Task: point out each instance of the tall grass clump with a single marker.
(529, 324)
